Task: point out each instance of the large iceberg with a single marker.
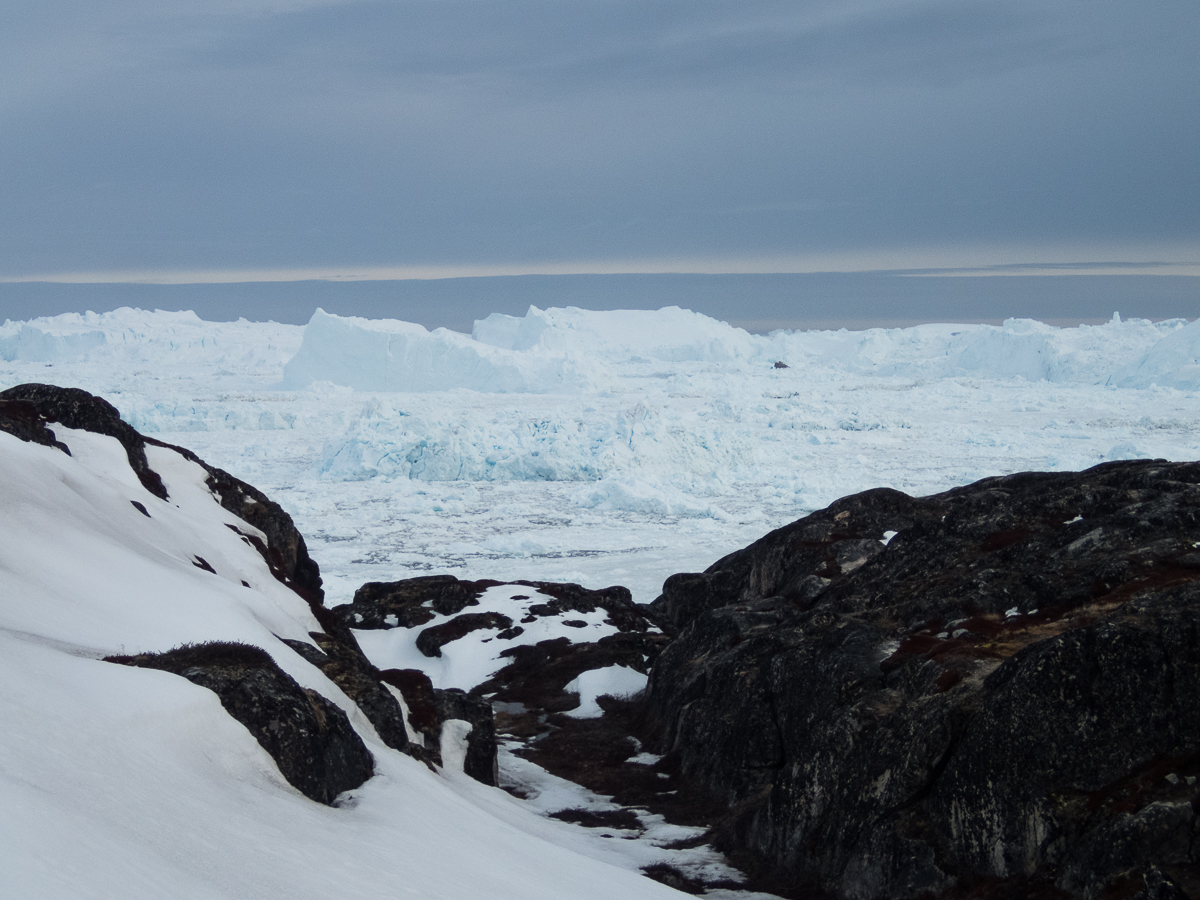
(577, 350)
(669, 334)
(1173, 362)
(390, 355)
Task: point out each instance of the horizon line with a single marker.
(932, 268)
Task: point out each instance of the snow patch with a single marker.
(611, 681)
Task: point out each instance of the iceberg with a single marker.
(390, 355)
(1174, 362)
(38, 345)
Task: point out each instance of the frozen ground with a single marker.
(610, 448)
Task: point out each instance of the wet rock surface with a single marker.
(993, 691)
(310, 739)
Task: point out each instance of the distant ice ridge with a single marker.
(119, 341)
(390, 355)
(669, 334)
(580, 351)
(35, 345)
(1173, 362)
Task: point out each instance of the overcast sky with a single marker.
(275, 138)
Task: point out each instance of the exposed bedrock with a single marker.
(309, 738)
(534, 675)
(1002, 699)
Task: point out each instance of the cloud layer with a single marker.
(163, 135)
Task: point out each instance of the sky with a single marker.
(258, 140)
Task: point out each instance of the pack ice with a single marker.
(600, 447)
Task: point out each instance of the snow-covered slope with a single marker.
(118, 781)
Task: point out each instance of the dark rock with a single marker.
(430, 708)
(616, 602)
(1159, 887)
(285, 551)
(480, 762)
(623, 819)
(536, 675)
(431, 640)
(829, 543)
(309, 738)
(347, 667)
(667, 874)
(21, 419)
(996, 698)
(413, 601)
(78, 409)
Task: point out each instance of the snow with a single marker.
(611, 681)
(564, 445)
(472, 659)
(128, 782)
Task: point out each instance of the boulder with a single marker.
(310, 739)
(430, 708)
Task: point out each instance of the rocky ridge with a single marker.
(987, 692)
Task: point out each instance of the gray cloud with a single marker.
(148, 135)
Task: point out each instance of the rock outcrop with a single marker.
(531, 682)
(993, 691)
(309, 738)
(26, 409)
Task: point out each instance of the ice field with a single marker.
(609, 447)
